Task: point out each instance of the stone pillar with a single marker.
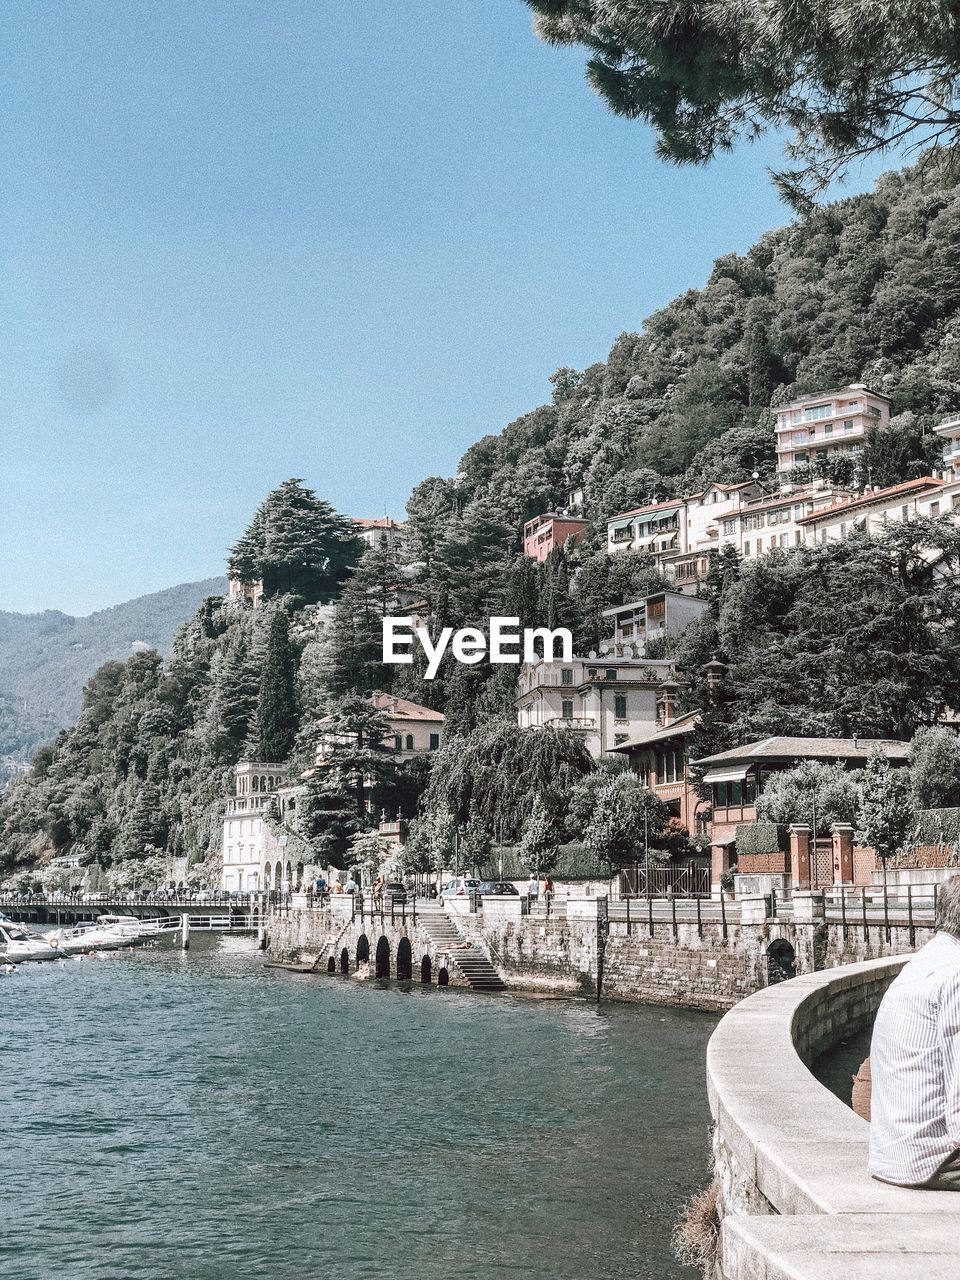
(842, 853)
(808, 906)
(800, 855)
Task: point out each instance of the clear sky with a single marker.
(338, 239)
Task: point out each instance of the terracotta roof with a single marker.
(661, 733)
(401, 709)
(383, 522)
(919, 485)
(809, 749)
(642, 511)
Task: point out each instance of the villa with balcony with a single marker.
(607, 699)
(827, 423)
(256, 784)
(873, 510)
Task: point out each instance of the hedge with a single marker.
(762, 837)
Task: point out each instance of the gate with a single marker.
(664, 882)
(821, 864)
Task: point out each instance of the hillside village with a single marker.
(753, 546)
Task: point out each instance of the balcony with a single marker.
(579, 724)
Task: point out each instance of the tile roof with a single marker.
(919, 485)
(683, 724)
(777, 748)
(642, 511)
(402, 709)
(382, 522)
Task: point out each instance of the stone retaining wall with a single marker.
(791, 1159)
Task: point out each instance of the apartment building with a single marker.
(949, 433)
(552, 529)
(874, 509)
(665, 613)
(827, 423)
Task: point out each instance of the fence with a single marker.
(639, 881)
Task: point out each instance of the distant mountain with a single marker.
(46, 658)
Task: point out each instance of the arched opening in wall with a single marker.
(267, 875)
(278, 876)
(781, 962)
(344, 961)
(443, 978)
(409, 741)
(289, 874)
(404, 960)
(383, 958)
(426, 970)
(299, 880)
(363, 949)
(331, 965)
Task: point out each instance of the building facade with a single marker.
(662, 614)
(606, 699)
(243, 846)
(875, 509)
(544, 533)
(828, 423)
(660, 757)
(384, 533)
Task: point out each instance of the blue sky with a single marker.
(242, 241)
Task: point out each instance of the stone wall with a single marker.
(795, 1197)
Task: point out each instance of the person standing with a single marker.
(533, 888)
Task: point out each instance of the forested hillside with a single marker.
(864, 290)
(46, 658)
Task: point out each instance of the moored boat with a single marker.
(18, 943)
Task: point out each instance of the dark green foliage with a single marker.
(296, 544)
(277, 710)
(762, 837)
(494, 774)
(847, 78)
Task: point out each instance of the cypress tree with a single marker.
(277, 710)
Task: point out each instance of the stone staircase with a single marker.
(469, 960)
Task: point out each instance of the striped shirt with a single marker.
(915, 1065)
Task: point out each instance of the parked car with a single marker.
(497, 889)
(459, 887)
(394, 891)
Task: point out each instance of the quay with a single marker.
(699, 953)
(794, 1198)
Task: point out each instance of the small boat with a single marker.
(17, 943)
(127, 929)
(77, 939)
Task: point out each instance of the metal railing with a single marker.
(639, 881)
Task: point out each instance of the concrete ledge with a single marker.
(788, 1147)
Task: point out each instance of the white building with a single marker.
(949, 433)
(411, 728)
(606, 699)
(827, 423)
(245, 841)
(665, 613)
(384, 532)
(874, 510)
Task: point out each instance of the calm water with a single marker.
(202, 1116)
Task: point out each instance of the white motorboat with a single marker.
(77, 939)
(17, 943)
(127, 929)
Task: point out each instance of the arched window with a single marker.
(409, 741)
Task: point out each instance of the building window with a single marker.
(816, 411)
(848, 424)
(566, 676)
(746, 547)
(566, 709)
(618, 738)
(759, 545)
(620, 706)
(934, 508)
(409, 741)
(610, 674)
(397, 742)
(434, 741)
(828, 429)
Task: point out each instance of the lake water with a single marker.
(201, 1116)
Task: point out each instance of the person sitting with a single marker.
(915, 1063)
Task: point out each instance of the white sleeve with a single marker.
(948, 1021)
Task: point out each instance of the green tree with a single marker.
(628, 820)
(885, 813)
(847, 79)
(368, 852)
(539, 840)
(812, 792)
(296, 543)
(277, 711)
(935, 768)
(497, 772)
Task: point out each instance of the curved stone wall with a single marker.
(796, 1200)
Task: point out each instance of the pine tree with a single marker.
(296, 543)
(277, 711)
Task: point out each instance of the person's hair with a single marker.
(948, 907)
